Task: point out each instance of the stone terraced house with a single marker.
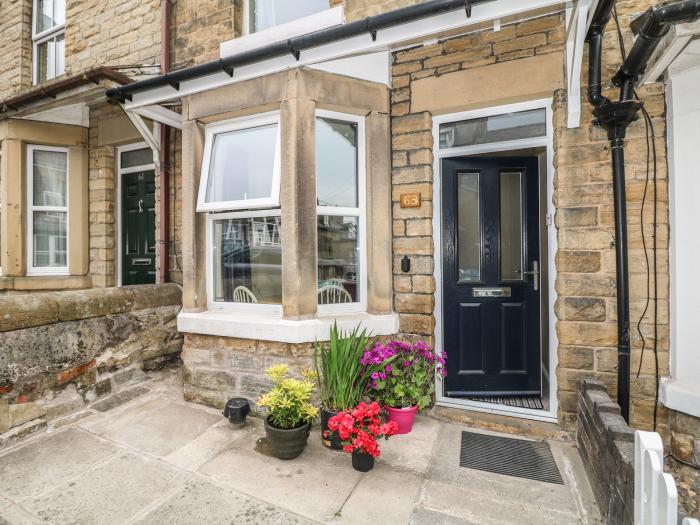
(218, 181)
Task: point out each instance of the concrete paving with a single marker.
(154, 459)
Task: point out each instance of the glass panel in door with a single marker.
(511, 226)
(468, 228)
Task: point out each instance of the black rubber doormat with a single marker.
(510, 457)
(533, 402)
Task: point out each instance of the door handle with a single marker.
(535, 275)
(140, 206)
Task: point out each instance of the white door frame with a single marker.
(550, 331)
(123, 171)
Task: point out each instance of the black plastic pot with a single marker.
(287, 443)
(333, 441)
(362, 462)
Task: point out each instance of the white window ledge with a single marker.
(680, 396)
(274, 328)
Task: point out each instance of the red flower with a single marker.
(360, 428)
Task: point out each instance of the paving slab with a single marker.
(210, 443)
(430, 517)
(12, 514)
(31, 469)
(200, 501)
(371, 502)
(163, 430)
(412, 451)
(315, 485)
(112, 492)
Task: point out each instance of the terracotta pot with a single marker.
(287, 443)
(332, 441)
(362, 462)
(404, 418)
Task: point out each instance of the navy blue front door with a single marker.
(491, 276)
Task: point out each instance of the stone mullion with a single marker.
(13, 209)
(298, 202)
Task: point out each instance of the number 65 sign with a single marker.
(410, 200)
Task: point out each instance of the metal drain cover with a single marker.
(510, 457)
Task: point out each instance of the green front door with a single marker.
(139, 228)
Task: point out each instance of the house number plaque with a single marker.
(410, 200)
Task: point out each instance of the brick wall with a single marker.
(606, 445)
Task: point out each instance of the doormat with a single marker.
(510, 457)
(534, 402)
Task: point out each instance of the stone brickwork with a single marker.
(61, 351)
(685, 463)
(412, 146)
(16, 43)
(219, 368)
(606, 445)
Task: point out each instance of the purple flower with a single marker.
(388, 368)
(383, 376)
(406, 364)
(375, 376)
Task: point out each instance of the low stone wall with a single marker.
(61, 351)
(606, 444)
(219, 368)
(685, 463)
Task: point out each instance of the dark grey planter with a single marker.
(287, 443)
(333, 440)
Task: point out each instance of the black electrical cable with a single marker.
(651, 151)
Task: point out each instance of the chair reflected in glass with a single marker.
(333, 292)
(243, 295)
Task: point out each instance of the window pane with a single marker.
(49, 181)
(49, 239)
(511, 226)
(338, 260)
(42, 61)
(498, 128)
(49, 13)
(248, 260)
(336, 163)
(242, 164)
(269, 13)
(137, 157)
(468, 228)
(60, 50)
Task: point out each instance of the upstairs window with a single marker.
(48, 36)
(264, 14)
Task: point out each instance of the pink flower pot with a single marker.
(404, 418)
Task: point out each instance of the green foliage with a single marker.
(341, 381)
(409, 381)
(289, 400)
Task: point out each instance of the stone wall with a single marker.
(219, 368)
(16, 43)
(685, 461)
(61, 351)
(606, 445)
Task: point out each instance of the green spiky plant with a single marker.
(339, 373)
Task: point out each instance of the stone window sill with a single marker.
(274, 328)
(46, 283)
(680, 396)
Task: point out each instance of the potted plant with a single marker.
(290, 415)
(339, 373)
(402, 378)
(359, 429)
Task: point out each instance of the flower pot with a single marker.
(404, 418)
(333, 440)
(362, 462)
(287, 443)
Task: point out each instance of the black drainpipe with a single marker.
(615, 118)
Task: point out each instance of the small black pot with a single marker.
(287, 443)
(332, 441)
(362, 462)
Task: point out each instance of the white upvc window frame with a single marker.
(257, 308)
(240, 124)
(360, 212)
(31, 208)
(42, 37)
(247, 18)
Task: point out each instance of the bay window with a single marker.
(47, 213)
(264, 14)
(48, 39)
(340, 204)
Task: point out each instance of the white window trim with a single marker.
(123, 171)
(236, 125)
(31, 208)
(360, 212)
(40, 38)
(269, 309)
(307, 26)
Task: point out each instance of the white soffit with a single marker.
(387, 39)
(73, 114)
(299, 27)
(375, 67)
(679, 50)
